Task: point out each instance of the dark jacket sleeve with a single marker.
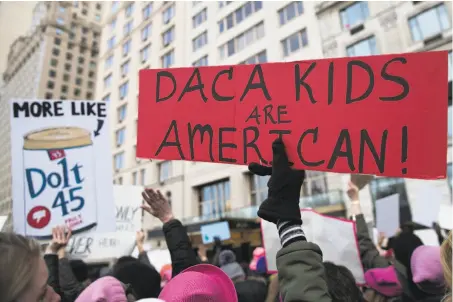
(368, 252)
(52, 266)
(143, 258)
(70, 287)
(301, 274)
(180, 247)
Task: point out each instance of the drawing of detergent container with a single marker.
(60, 181)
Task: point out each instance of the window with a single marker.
(111, 43)
(61, 9)
(48, 96)
(126, 47)
(66, 77)
(50, 84)
(122, 111)
(90, 85)
(98, 6)
(429, 23)
(203, 61)
(119, 161)
(142, 177)
(214, 199)
(165, 171)
(52, 73)
(60, 21)
(289, 12)
(108, 62)
(64, 89)
(239, 15)
(223, 3)
(294, 42)
(241, 41)
(58, 31)
(98, 17)
(200, 41)
(168, 59)
(385, 186)
(115, 5)
(106, 98)
(125, 68)
(146, 32)
(134, 178)
(81, 60)
(68, 56)
(256, 59)
(53, 62)
(354, 14)
(79, 70)
(55, 52)
(112, 25)
(199, 18)
(168, 14)
(168, 36)
(77, 92)
(78, 81)
(57, 41)
(67, 67)
(120, 134)
(108, 81)
(129, 10)
(147, 10)
(366, 47)
(258, 189)
(127, 28)
(124, 88)
(144, 53)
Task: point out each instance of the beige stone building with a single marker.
(56, 59)
(162, 34)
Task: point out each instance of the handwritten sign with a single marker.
(61, 174)
(367, 115)
(128, 200)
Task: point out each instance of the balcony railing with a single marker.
(249, 212)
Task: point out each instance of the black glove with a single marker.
(282, 201)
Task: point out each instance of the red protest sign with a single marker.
(382, 115)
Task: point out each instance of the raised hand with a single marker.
(157, 205)
(60, 238)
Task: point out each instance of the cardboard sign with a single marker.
(212, 230)
(61, 167)
(128, 200)
(366, 115)
(336, 238)
(423, 212)
(95, 247)
(361, 180)
(428, 237)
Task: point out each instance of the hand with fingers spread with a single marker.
(282, 202)
(60, 239)
(157, 205)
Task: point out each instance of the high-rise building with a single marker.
(161, 34)
(19, 14)
(57, 59)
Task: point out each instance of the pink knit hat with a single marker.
(258, 253)
(200, 283)
(106, 289)
(384, 281)
(426, 265)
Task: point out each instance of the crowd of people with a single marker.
(400, 268)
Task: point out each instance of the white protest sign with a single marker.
(61, 167)
(128, 200)
(388, 214)
(426, 204)
(445, 213)
(428, 237)
(159, 258)
(336, 238)
(94, 247)
(3, 220)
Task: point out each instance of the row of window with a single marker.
(239, 15)
(244, 39)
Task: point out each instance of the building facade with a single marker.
(57, 59)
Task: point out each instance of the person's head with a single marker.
(24, 272)
(144, 279)
(404, 245)
(228, 264)
(445, 257)
(107, 289)
(426, 269)
(125, 259)
(407, 228)
(201, 283)
(382, 284)
(80, 269)
(341, 283)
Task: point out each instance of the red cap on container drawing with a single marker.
(38, 217)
